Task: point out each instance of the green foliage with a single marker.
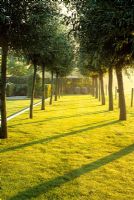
(18, 79)
(20, 85)
(16, 67)
(16, 89)
(105, 29)
(20, 90)
(10, 89)
(63, 54)
(20, 19)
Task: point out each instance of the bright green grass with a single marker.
(14, 106)
(75, 150)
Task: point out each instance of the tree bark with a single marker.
(102, 89)
(3, 131)
(96, 87)
(99, 90)
(43, 88)
(56, 87)
(110, 89)
(122, 103)
(51, 97)
(93, 87)
(59, 88)
(32, 92)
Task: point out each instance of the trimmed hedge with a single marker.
(37, 86)
(70, 85)
(20, 89)
(22, 86)
(18, 79)
(47, 90)
(10, 88)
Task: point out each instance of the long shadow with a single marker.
(131, 114)
(73, 108)
(62, 117)
(49, 139)
(46, 186)
(76, 101)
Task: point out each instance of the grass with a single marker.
(14, 106)
(75, 150)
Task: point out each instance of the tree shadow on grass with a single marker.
(46, 186)
(76, 99)
(74, 108)
(49, 139)
(62, 117)
(131, 114)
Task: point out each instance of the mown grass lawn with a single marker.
(75, 150)
(14, 106)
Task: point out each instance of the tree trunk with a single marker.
(59, 88)
(106, 89)
(93, 87)
(32, 92)
(102, 89)
(51, 97)
(99, 90)
(3, 131)
(110, 89)
(56, 87)
(122, 103)
(43, 88)
(96, 87)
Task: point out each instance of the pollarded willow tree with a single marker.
(55, 52)
(39, 53)
(48, 49)
(13, 15)
(116, 40)
(17, 20)
(62, 59)
(107, 22)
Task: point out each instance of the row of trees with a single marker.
(33, 28)
(104, 31)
